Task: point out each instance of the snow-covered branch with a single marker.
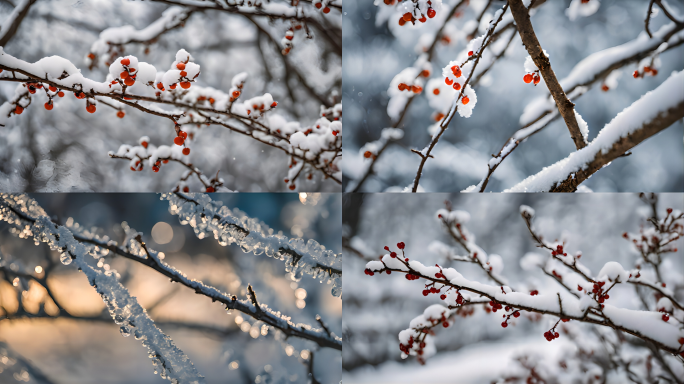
(662, 327)
(653, 112)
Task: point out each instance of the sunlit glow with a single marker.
(302, 197)
(304, 354)
(239, 319)
(162, 233)
(234, 365)
(254, 332)
(289, 350)
(245, 327)
(39, 269)
(15, 282)
(264, 330)
(300, 303)
(300, 293)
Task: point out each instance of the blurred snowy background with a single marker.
(477, 349)
(375, 51)
(66, 149)
(223, 347)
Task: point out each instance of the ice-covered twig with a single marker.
(210, 218)
(139, 252)
(652, 113)
(529, 39)
(28, 219)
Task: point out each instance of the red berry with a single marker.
(185, 84)
(465, 100)
(666, 317)
(121, 115)
(457, 86)
(326, 10)
(123, 75)
(180, 66)
(186, 189)
(516, 314)
(178, 140)
(60, 94)
(52, 88)
(431, 13)
(144, 144)
(274, 104)
(183, 73)
(186, 151)
(422, 19)
(681, 340)
(445, 324)
(125, 61)
(155, 168)
(210, 189)
(91, 108)
(605, 88)
(408, 16)
(393, 255)
(172, 86)
(435, 91)
(318, 5)
(470, 53)
(636, 74)
(504, 324)
(129, 81)
(292, 187)
(160, 86)
(48, 106)
(527, 78)
(442, 296)
(448, 81)
(401, 245)
(537, 79)
(183, 134)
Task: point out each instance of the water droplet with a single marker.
(65, 259)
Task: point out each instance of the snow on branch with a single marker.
(111, 41)
(209, 217)
(653, 112)
(586, 299)
(29, 220)
(315, 148)
(11, 24)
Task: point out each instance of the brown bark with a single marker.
(529, 39)
(649, 129)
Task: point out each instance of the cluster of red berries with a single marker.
(597, 290)
(368, 272)
(558, 251)
(647, 69)
(319, 5)
(408, 346)
(184, 83)
(410, 88)
(528, 78)
(549, 335)
(495, 306)
(534, 293)
(410, 276)
(431, 290)
(128, 75)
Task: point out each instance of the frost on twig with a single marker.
(209, 217)
(29, 220)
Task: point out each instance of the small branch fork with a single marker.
(230, 301)
(445, 122)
